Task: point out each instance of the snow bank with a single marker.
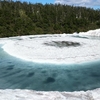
(38, 95)
(34, 48)
(95, 33)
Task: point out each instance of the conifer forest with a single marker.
(22, 18)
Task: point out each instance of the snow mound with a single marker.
(95, 33)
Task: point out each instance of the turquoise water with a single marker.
(19, 74)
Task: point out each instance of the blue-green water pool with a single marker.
(19, 74)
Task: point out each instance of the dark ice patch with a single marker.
(10, 67)
(95, 74)
(49, 80)
(30, 74)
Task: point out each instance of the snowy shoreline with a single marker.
(18, 94)
(33, 48)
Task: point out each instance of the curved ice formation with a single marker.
(58, 48)
(38, 95)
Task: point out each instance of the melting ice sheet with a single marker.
(19, 74)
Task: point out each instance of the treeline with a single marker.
(17, 18)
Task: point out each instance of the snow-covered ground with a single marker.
(48, 48)
(38, 95)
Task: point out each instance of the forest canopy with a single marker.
(22, 18)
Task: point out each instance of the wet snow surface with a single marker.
(38, 95)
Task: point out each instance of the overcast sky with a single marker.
(86, 3)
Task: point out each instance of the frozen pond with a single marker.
(57, 62)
